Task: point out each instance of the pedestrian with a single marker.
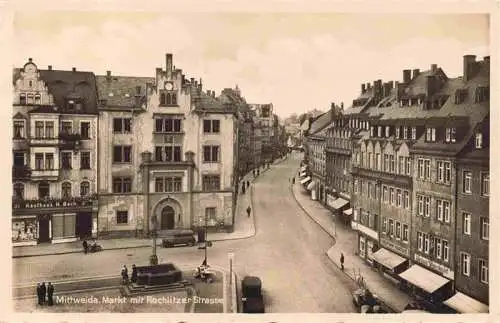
(133, 278)
(125, 274)
(43, 292)
(249, 209)
(258, 172)
(293, 180)
(39, 293)
(248, 184)
(342, 261)
(85, 246)
(243, 189)
(50, 294)
(253, 172)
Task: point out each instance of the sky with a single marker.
(297, 61)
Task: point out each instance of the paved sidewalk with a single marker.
(346, 242)
(244, 227)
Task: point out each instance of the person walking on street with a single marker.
(293, 180)
(248, 184)
(243, 189)
(133, 278)
(85, 246)
(43, 293)
(253, 172)
(249, 209)
(39, 293)
(125, 274)
(50, 294)
(342, 261)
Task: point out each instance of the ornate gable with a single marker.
(29, 88)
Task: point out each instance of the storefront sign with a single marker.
(391, 245)
(330, 200)
(369, 232)
(446, 272)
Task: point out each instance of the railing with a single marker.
(21, 172)
(87, 201)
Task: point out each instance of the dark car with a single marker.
(178, 237)
(251, 288)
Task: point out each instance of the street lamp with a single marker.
(153, 259)
(206, 236)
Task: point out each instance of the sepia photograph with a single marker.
(246, 162)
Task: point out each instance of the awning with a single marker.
(465, 304)
(311, 185)
(338, 203)
(303, 174)
(303, 168)
(388, 259)
(348, 212)
(305, 180)
(423, 278)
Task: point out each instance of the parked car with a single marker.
(174, 238)
(251, 288)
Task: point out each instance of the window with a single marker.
(401, 167)
(38, 161)
(211, 182)
(450, 135)
(485, 184)
(168, 184)
(387, 131)
(427, 206)
(446, 211)
(466, 223)
(485, 228)
(211, 213)
(408, 166)
(391, 227)
(22, 99)
(420, 168)
(392, 163)
(391, 196)
(406, 200)
(66, 158)
(43, 190)
(49, 161)
(66, 127)
(405, 232)
(379, 131)
(385, 195)
(427, 169)
(211, 126)
(168, 153)
(122, 125)
(85, 130)
(85, 160)
(440, 171)
(483, 271)
(210, 154)
(122, 184)
(420, 241)
(478, 142)
(467, 182)
(439, 210)
(18, 129)
(446, 250)
(465, 263)
(168, 125)
(420, 199)
(384, 225)
(413, 133)
(378, 162)
(386, 162)
(399, 198)
(427, 243)
(447, 173)
(39, 129)
(355, 186)
(398, 132)
(430, 134)
(122, 154)
(66, 190)
(398, 230)
(84, 188)
(121, 217)
(18, 158)
(370, 190)
(18, 190)
(49, 129)
(370, 160)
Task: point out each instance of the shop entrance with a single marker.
(44, 228)
(167, 218)
(84, 225)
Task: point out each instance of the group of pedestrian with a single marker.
(124, 273)
(244, 186)
(45, 293)
(93, 247)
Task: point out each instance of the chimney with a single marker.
(368, 86)
(30, 60)
(50, 67)
(213, 94)
(391, 84)
(399, 89)
(169, 62)
(342, 106)
(387, 89)
(430, 86)
(486, 59)
(469, 66)
(74, 69)
(108, 75)
(363, 89)
(416, 72)
(434, 68)
(377, 87)
(201, 85)
(208, 93)
(406, 76)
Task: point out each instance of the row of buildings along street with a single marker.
(98, 155)
(407, 167)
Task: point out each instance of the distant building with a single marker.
(265, 119)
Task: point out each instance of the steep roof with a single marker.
(122, 88)
(321, 122)
(207, 104)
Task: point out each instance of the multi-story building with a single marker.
(265, 119)
(316, 157)
(172, 164)
(54, 155)
(256, 140)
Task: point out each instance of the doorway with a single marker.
(43, 228)
(167, 218)
(84, 225)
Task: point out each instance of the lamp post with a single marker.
(206, 236)
(153, 259)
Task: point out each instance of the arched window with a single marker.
(84, 188)
(66, 190)
(169, 99)
(19, 190)
(162, 99)
(38, 98)
(43, 190)
(22, 98)
(174, 98)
